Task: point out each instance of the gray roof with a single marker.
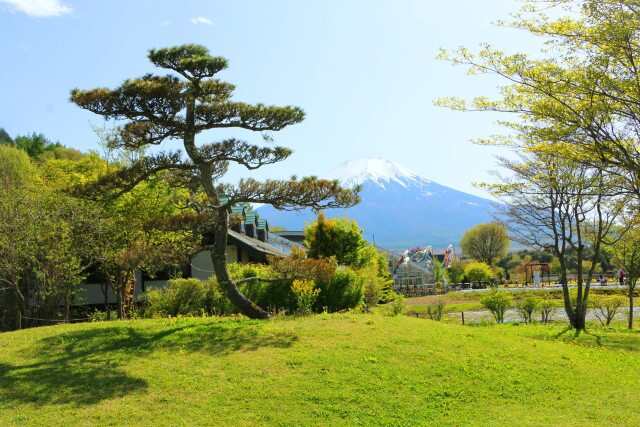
(255, 244)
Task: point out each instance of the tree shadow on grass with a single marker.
(84, 366)
(611, 340)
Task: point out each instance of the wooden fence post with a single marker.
(462, 317)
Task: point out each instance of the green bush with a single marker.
(606, 307)
(497, 302)
(397, 305)
(344, 291)
(273, 296)
(217, 303)
(434, 311)
(373, 288)
(527, 306)
(546, 308)
(97, 316)
(192, 297)
(478, 272)
(184, 297)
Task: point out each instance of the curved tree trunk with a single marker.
(219, 259)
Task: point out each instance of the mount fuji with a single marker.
(399, 209)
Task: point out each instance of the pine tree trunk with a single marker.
(219, 260)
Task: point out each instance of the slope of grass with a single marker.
(322, 370)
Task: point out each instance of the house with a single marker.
(248, 241)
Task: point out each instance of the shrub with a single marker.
(217, 303)
(606, 307)
(497, 302)
(397, 305)
(342, 292)
(546, 308)
(527, 306)
(273, 295)
(184, 297)
(372, 289)
(456, 271)
(306, 294)
(97, 316)
(478, 272)
(435, 311)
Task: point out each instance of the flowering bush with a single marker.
(306, 294)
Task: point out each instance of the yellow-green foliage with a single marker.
(306, 294)
(478, 272)
(486, 242)
(497, 302)
(605, 307)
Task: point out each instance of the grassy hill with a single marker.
(324, 370)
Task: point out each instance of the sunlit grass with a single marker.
(323, 370)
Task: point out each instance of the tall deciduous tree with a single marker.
(177, 108)
(560, 205)
(486, 242)
(580, 100)
(44, 237)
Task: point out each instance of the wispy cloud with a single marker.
(201, 20)
(164, 23)
(39, 8)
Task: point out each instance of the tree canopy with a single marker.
(575, 114)
(486, 242)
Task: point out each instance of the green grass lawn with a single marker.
(322, 370)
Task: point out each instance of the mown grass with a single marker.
(323, 370)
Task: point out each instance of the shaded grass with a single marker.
(322, 370)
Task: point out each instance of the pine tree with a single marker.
(176, 109)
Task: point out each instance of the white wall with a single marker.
(91, 293)
(202, 267)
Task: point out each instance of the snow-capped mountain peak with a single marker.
(379, 171)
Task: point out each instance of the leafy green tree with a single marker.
(456, 271)
(577, 113)
(43, 241)
(5, 138)
(338, 237)
(563, 206)
(17, 228)
(605, 307)
(174, 108)
(486, 242)
(36, 144)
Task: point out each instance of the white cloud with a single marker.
(201, 20)
(164, 23)
(39, 8)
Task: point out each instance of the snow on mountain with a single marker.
(378, 171)
(399, 208)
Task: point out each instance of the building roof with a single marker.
(250, 217)
(254, 244)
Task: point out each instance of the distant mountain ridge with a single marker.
(399, 208)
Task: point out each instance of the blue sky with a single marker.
(364, 71)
